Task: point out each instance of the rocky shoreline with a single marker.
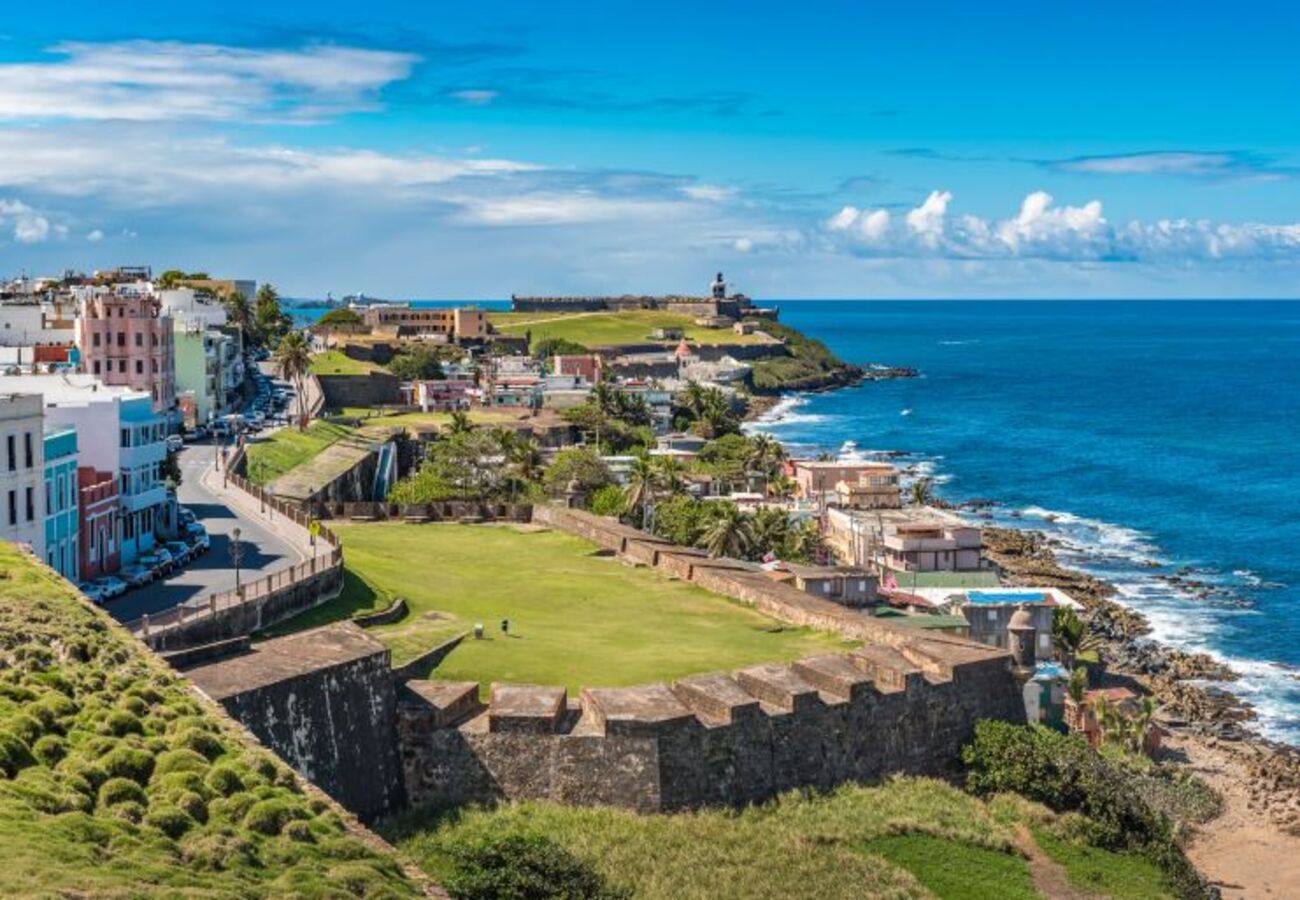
(1182, 683)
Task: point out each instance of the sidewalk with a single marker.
(293, 534)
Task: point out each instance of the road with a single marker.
(263, 550)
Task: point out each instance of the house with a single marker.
(875, 488)
(681, 441)
(744, 328)
(62, 518)
(989, 612)
(126, 340)
(847, 585)
(815, 478)
(443, 394)
(912, 539)
(451, 324)
(1084, 716)
(586, 366)
(97, 527)
(22, 469)
(667, 334)
(714, 321)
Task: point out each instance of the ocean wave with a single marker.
(1097, 535)
(958, 343)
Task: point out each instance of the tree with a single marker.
(805, 543)
(341, 316)
(293, 362)
(921, 493)
(239, 314)
(581, 466)
(416, 363)
(640, 489)
(782, 487)
(170, 470)
(672, 474)
(460, 422)
(728, 533)
(764, 456)
(555, 346)
(1068, 633)
(169, 279)
(772, 531)
(270, 323)
(680, 519)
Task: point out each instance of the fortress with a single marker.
(901, 703)
(718, 303)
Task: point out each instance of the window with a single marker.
(49, 499)
(992, 615)
(121, 366)
(12, 443)
(155, 366)
(95, 339)
(121, 338)
(27, 449)
(139, 339)
(126, 437)
(139, 367)
(31, 503)
(13, 507)
(96, 367)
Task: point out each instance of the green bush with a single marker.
(224, 780)
(200, 741)
(169, 820)
(269, 816)
(50, 749)
(522, 867)
(182, 760)
(128, 762)
(14, 754)
(25, 728)
(608, 501)
(120, 723)
(121, 790)
(193, 806)
(128, 811)
(299, 831)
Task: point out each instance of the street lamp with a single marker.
(236, 554)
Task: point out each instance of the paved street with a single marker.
(264, 550)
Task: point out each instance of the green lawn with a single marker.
(1125, 876)
(117, 780)
(335, 362)
(270, 458)
(595, 329)
(797, 846)
(575, 618)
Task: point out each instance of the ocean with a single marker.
(1151, 440)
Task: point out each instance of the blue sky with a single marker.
(823, 149)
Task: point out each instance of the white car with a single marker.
(136, 575)
(111, 587)
(174, 442)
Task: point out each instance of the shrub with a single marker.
(50, 749)
(135, 706)
(299, 831)
(128, 762)
(199, 741)
(169, 820)
(224, 780)
(120, 722)
(14, 754)
(130, 811)
(268, 816)
(523, 866)
(193, 806)
(174, 782)
(121, 790)
(25, 728)
(608, 501)
(181, 761)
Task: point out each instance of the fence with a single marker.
(253, 604)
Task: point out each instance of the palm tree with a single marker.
(771, 531)
(293, 362)
(764, 455)
(782, 487)
(239, 313)
(730, 533)
(525, 455)
(922, 494)
(672, 474)
(691, 398)
(805, 543)
(1068, 633)
(459, 423)
(640, 488)
(605, 396)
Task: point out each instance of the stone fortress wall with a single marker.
(903, 703)
(733, 307)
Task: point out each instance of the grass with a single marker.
(1125, 876)
(117, 780)
(841, 844)
(957, 871)
(575, 618)
(335, 362)
(600, 328)
(288, 448)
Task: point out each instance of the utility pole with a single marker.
(236, 554)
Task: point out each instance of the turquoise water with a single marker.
(1146, 438)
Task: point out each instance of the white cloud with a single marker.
(1041, 230)
(540, 208)
(743, 245)
(95, 236)
(171, 80)
(29, 226)
(1182, 163)
(713, 193)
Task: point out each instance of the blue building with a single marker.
(61, 514)
(142, 490)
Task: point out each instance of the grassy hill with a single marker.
(906, 838)
(594, 329)
(287, 448)
(575, 618)
(116, 780)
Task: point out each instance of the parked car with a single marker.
(197, 535)
(136, 575)
(197, 433)
(158, 559)
(174, 442)
(92, 591)
(180, 551)
(187, 516)
(111, 586)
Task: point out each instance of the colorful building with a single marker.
(97, 523)
(62, 546)
(22, 493)
(126, 341)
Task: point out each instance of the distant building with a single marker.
(911, 539)
(62, 546)
(718, 303)
(847, 585)
(22, 470)
(443, 394)
(125, 340)
(877, 482)
(454, 325)
(209, 370)
(583, 365)
(875, 488)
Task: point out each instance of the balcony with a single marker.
(154, 496)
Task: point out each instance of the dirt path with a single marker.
(1243, 850)
(1049, 877)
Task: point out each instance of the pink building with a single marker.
(97, 508)
(125, 340)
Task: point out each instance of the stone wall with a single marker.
(372, 389)
(902, 703)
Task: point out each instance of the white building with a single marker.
(22, 469)
(118, 432)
